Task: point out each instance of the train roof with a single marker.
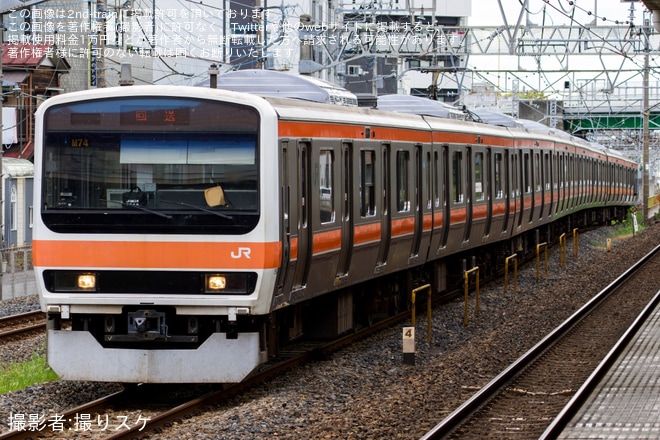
(271, 83)
(290, 109)
(616, 153)
(492, 118)
(599, 147)
(417, 105)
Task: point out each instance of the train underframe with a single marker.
(361, 305)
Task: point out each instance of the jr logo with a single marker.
(241, 252)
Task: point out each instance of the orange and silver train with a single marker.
(185, 234)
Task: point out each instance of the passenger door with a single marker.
(418, 202)
(386, 222)
(346, 210)
(303, 240)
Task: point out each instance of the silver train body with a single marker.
(184, 234)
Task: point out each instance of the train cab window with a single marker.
(479, 176)
(326, 181)
(457, 176)
(402, 186)
(367, 189)
(499, 192)
(145, 164)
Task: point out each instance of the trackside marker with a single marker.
(409, 345)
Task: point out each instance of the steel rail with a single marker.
(583, 393)
(480, 398)
(22, 323)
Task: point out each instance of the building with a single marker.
(396, 62)
(17, 210)
(31, 73)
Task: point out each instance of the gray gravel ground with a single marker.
(366, 391)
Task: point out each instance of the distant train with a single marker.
(183, 234)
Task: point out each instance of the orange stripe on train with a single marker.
(343, 131)
(367, 233)
(403, 226)
(153, 255)
(327, 241)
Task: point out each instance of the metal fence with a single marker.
(17, 272)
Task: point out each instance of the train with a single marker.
(186, 234)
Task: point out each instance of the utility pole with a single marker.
(645, 115)
(101, 8)
(2, 31)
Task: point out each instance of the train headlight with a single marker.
(215, 283)
(230, 283)
(71, 281)
(87, 281)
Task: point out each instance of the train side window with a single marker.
(499, 193)
(386, 178)
(547, 175)
(429, 181)
(571, 176)
(537, 172)
(402, 187)
(302, 183)
(347, 182)
(326, 182)
(436, 179)
(594, 178)
(579, 176)
(367, 189)
(597, 177)
(479, 176)
(457, 176)
(526, 174)
(515, 188)
(554, 169)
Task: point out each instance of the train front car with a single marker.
(156, 241)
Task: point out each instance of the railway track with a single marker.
(524, 399)
(23, 324)
(121, 405)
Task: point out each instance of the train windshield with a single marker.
(150, 165)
